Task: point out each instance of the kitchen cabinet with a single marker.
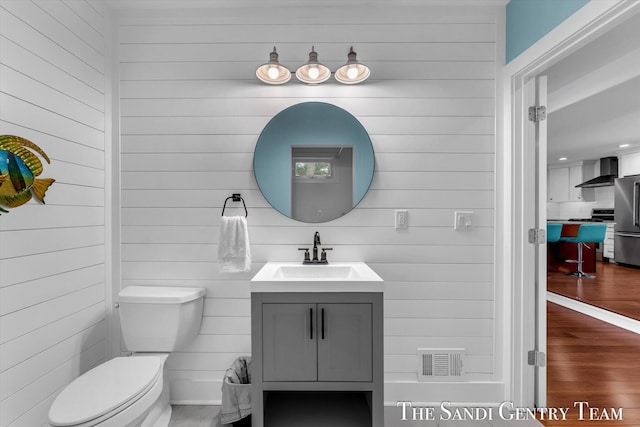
(558, 185)
(629, 164)
(607, 245)
(577, 176)
(562, 181)
(559, 252)
(319, 345)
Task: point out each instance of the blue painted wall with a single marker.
(529, 20)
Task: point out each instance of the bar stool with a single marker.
(587, 233)
(554, 230)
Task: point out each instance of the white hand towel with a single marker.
(234, 251)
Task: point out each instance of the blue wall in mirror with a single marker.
(308, 123)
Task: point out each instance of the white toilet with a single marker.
(134, 391)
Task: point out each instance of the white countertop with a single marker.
(333, 277)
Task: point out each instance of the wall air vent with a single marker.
(441, 364)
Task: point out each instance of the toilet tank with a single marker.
(159, 318)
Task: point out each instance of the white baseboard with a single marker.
(595, 312)
(481, 393)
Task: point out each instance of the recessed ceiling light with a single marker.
(623, 145)
(562, 159)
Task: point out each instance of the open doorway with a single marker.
(592, 115)
(593, 112)
(524, 200)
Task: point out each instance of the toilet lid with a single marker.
(107, 387)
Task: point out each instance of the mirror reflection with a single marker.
(314, 162)
(321, 174)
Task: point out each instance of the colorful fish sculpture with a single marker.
(19, 168)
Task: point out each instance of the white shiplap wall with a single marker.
(191, 113)
(52, 257)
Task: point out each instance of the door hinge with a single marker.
(537, 358)
(537, 114)
(537, 236)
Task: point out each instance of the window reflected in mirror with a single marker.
(320, 174)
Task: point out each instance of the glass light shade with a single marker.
(352, 72)
(313, 72)
(272, 72)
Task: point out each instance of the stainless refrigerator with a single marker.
(627, 218)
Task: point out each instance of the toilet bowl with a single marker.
(134, 391)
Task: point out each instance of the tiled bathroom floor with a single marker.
(206, 416)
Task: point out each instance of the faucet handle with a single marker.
(306, 254)
(323, 257)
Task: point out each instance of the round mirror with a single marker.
(313, 162)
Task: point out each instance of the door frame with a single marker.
(516, 181)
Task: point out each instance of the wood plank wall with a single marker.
(192, 111)
(52, 257)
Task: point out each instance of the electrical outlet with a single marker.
(401, 218)
(462, 220)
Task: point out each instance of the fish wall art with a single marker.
(19, 167)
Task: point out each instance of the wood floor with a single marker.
(591, 361)
(615, 288)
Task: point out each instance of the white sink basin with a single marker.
(333, 277)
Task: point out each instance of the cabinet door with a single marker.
(629, 164)
(344, 342)
(575, 178)
(558, 185)
(289, 342)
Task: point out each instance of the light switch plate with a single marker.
(401, 218)
(463, 220)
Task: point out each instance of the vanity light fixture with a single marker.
(352, 72)
(313, 72)
(272, 72)
(562, 159)
(623, 145)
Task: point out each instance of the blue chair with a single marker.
(554, 230)
(587, 233)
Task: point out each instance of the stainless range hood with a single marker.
(608, 174)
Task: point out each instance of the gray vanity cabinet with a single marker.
(316, 343)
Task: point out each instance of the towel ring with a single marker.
(236, 198)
